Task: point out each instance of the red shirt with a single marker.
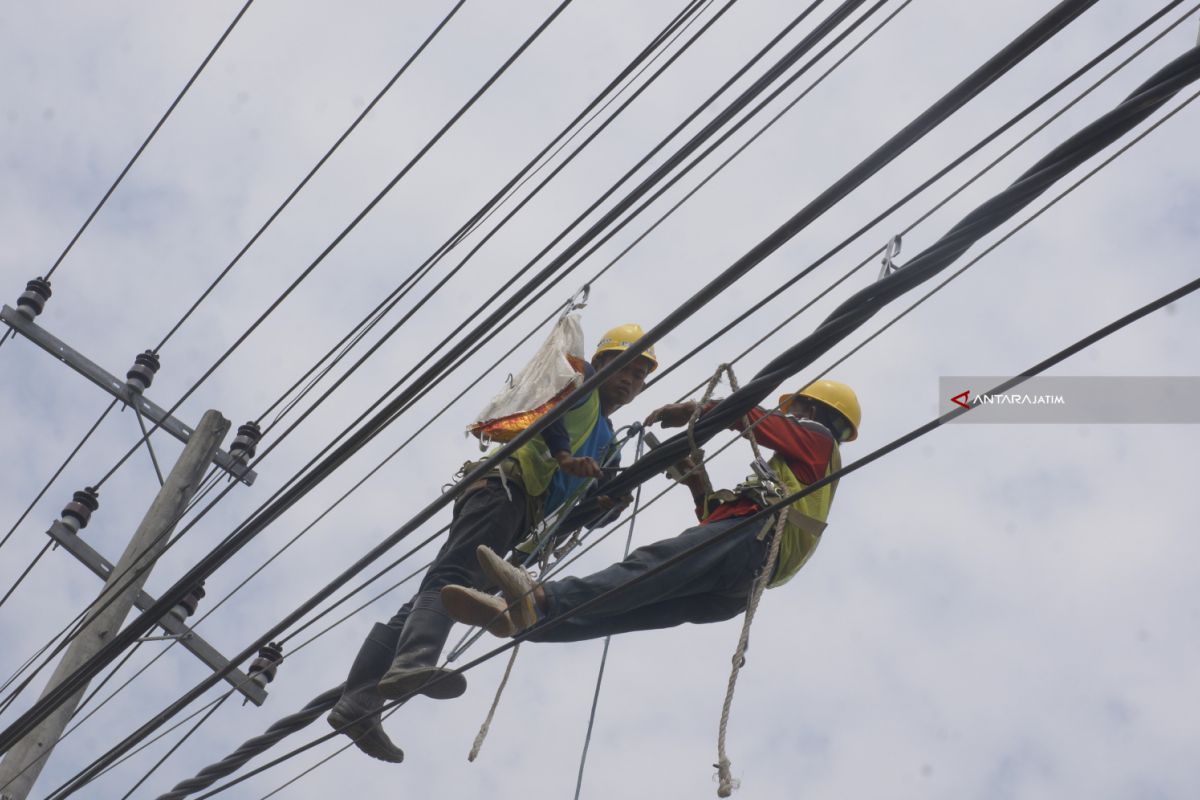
(805, 445)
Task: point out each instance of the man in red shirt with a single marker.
(712, 584)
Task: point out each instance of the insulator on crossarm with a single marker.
(187, 606)
(262, 669)
(33, 299)
(77, 513)
(141, 374)
(243, 445)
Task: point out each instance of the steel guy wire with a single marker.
(320, 163)
(354, 222)
(688, 16)
(153, 131)
(1009, 55)
(762, 514)
(938, 206)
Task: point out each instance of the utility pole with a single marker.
(23, 763)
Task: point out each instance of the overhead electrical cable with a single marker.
(316, 168)
(483, 373)
(758, 517)
(431, 375)
(1040, 211)
(675, 29)
(355, 221)
(153, 131)
(941, 173)
(1060, 16)
(495, 76)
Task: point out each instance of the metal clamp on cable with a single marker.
(889, 264)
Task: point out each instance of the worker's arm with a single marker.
(806, 445)
(559, 443)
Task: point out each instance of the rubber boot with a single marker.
(414, 669)
(356, 712)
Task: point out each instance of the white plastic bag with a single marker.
(553, 373)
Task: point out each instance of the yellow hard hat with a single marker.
(622, 338)
(838, 396)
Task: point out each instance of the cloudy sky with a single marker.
(996, 611)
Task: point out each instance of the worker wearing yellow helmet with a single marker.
(724, 554)
(400, 658)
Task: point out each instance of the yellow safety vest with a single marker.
(537, 464)
(806, 518)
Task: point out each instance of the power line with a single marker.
(476, 381)
(758, 517)
(795, 54)
(1011, 54)
(356, 220)
(320, 163)
(153, 131)
(674, 29)
(1029, 109)
(1038, 213)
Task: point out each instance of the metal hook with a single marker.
(889, 255)
(575, 302)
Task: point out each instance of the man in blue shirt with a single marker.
(499, 510)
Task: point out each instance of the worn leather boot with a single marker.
(356, 712)
(414, 669)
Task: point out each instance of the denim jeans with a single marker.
(708, 586)
(485, 515)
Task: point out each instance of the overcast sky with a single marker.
(995, 611)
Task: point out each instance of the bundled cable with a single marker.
(1040, 32)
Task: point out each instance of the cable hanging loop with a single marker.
(726, 783)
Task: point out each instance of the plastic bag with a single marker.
(553, 373)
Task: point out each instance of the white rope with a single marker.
(726, 783)
(487, 723)
(697, 453)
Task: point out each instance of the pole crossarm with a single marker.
(116, 387)
(90, 558)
